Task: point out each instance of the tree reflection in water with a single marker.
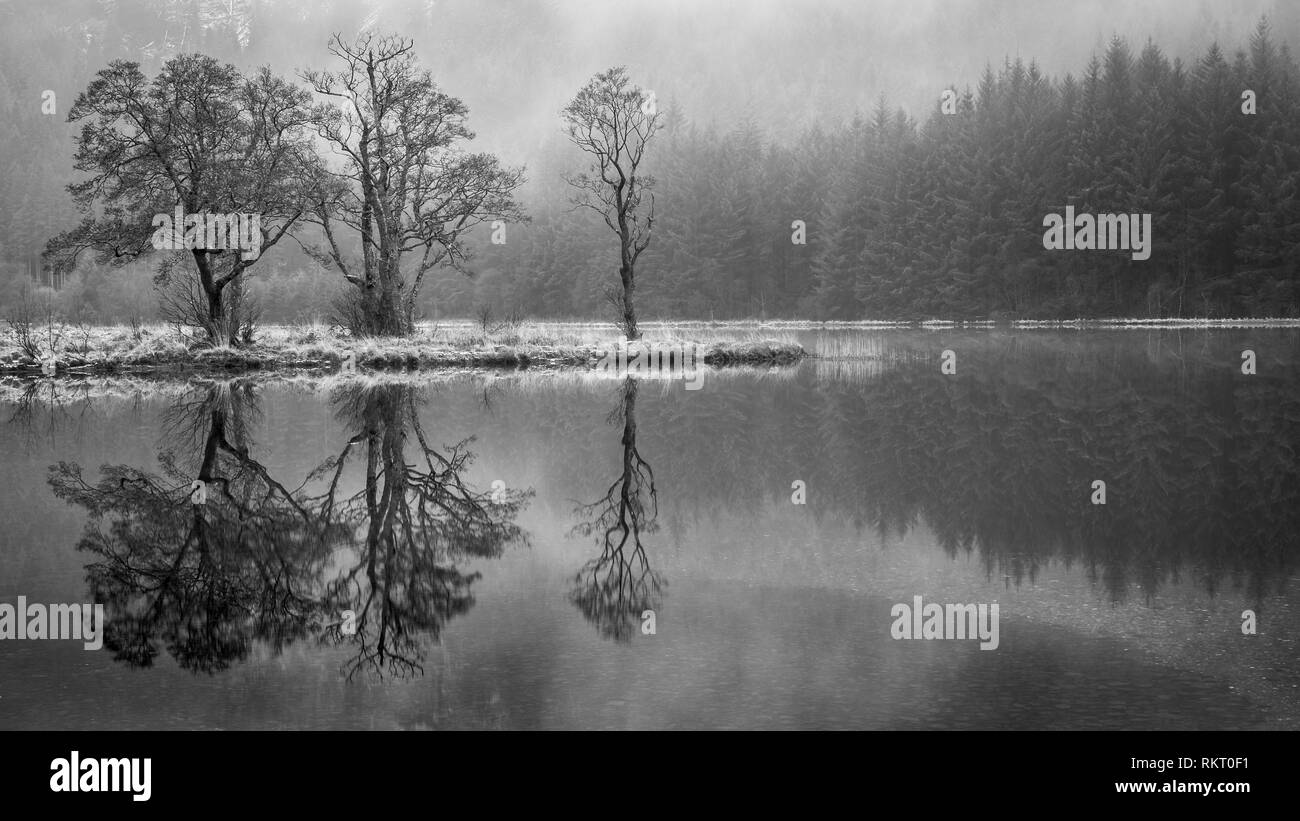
(413, 521)
(258, 561)
(614, 589)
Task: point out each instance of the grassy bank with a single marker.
(120, 349)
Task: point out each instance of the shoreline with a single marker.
(375, 355)
(459, 344)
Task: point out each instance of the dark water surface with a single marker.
(499, 537)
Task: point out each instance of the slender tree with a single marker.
(613, 120)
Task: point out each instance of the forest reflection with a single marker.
(998, 459)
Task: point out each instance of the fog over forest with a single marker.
(751, 91)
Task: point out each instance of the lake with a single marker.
(497, 539)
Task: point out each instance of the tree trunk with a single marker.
(629, 310)
(218, 324)
(382, 311)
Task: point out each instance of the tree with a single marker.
(613, 120)
(200, 137)
(405, 186)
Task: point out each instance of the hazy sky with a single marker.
(778, 62)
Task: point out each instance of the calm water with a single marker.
(498, 538)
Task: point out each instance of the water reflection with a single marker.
(374, 513)
(256, 561)
(204, 580)
(413, 521)
(616, 588)
(1199, 461)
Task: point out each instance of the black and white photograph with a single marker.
(650, 365)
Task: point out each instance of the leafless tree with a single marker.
(404, 185)
(613, 121)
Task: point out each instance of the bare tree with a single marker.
(404, 185)
(613, 120)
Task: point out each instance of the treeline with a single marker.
(945, 219)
